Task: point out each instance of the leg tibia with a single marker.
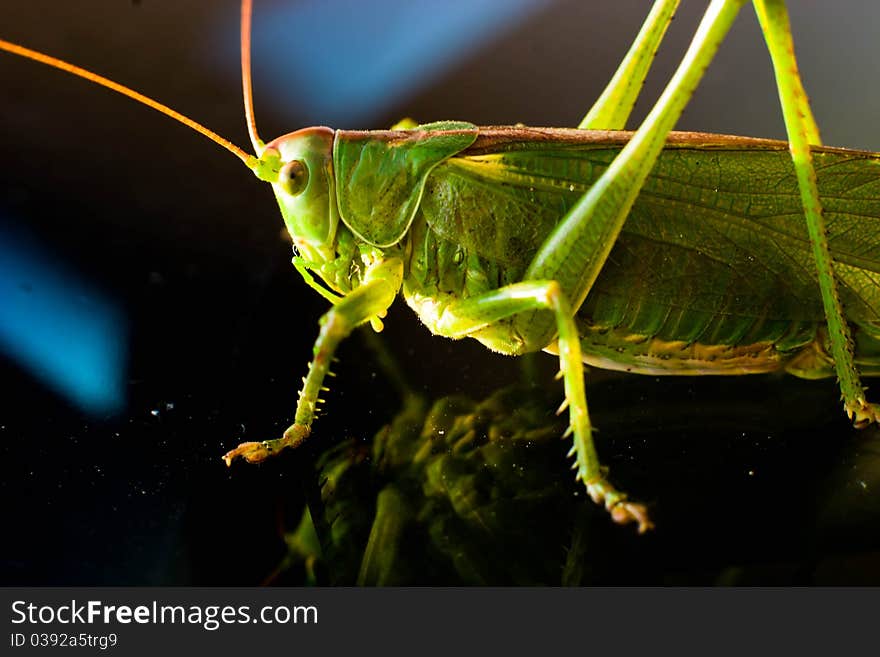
(371, 299)
(802, 132)
(476, 313)
(615, 104)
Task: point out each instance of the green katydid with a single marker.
(585, 242)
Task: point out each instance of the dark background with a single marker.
(761, 477)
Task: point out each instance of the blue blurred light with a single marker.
(60, 329)
(343, 62)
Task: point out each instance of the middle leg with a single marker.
(465, 317)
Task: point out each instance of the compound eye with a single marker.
(294, 177)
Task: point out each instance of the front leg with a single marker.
(371, 299)
(465, 317)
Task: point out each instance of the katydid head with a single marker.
(305, 189)
(297, 165)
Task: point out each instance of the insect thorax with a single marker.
(441, 271)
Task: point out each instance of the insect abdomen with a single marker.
(714, 255)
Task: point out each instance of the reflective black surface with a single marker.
(751, 480)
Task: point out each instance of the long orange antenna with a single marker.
(251, 161)
(246, 79)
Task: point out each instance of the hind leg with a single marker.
(802, 133)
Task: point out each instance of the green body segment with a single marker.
(712, 272)
(383, 177)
